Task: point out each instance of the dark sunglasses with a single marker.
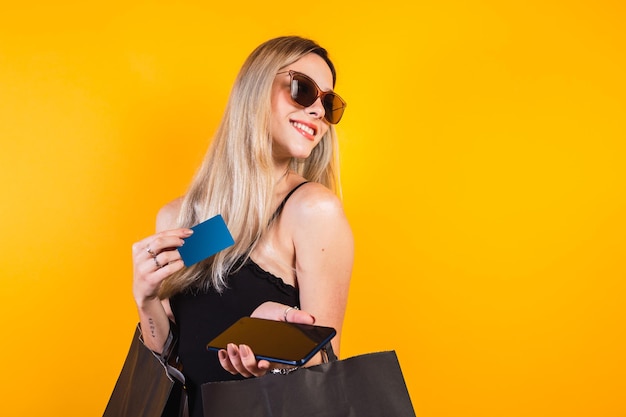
(305, 92)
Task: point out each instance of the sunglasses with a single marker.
(305, 92)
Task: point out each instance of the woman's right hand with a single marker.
(154, 259)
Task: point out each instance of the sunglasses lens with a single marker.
(333, 107)
(303, 91)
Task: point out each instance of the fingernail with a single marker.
(189, 232)
(222, 354)
(244, 351)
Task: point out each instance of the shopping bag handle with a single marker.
(328, 354)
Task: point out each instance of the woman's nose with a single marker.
(316, 109)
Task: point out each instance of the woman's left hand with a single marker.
(239, 359)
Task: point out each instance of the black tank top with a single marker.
(202, 315)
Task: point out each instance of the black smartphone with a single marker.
(276, 341)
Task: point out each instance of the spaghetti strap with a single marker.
(282, 204)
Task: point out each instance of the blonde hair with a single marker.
(236, 177)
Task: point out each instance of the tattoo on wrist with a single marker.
(152, 327)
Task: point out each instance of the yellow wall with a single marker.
(483, 171)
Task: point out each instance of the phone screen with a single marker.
(276, 341)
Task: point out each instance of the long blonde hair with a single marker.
(236, 177)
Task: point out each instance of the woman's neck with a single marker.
(281, 171)
(281, 175)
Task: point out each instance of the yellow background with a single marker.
(483, 172)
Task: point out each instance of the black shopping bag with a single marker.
(370, 385)
(144, 388)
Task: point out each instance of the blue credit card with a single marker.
(208, 238)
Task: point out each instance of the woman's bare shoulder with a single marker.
(314, 200)
(168, 215)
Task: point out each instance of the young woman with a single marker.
(271, 172)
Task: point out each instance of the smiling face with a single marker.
(295, 129)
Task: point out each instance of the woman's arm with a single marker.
(324, 254)
(150, 268)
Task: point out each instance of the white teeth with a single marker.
(305, 128)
